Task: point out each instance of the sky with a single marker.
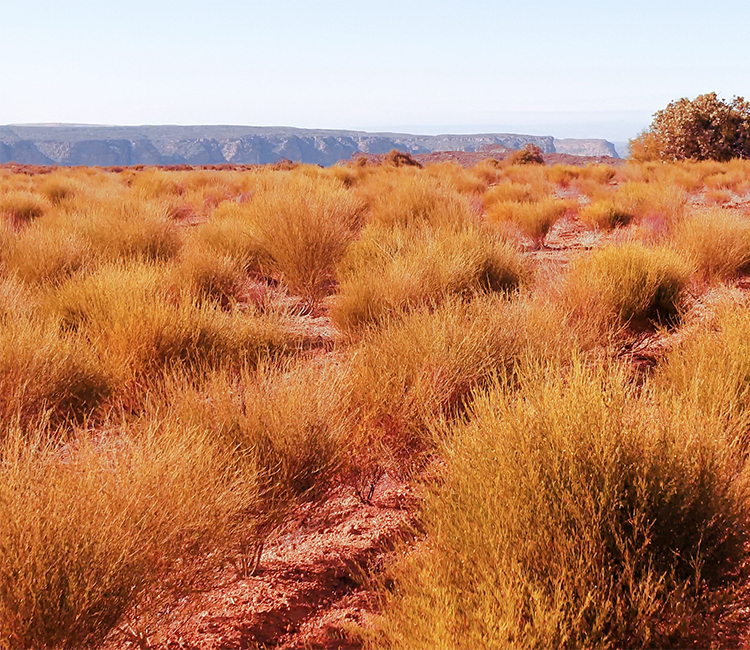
(572, 68)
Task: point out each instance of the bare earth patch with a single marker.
(309, 591)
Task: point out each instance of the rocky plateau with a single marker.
(89, 145)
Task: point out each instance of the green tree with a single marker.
(705, 128)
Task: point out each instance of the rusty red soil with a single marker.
(463, 158)
(471, 158)
(309, 591)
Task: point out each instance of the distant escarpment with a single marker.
(586, 147)
(73, 145)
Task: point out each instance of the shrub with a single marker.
(465, 181)
(229, 234)
(574, 513)
(647, 199)
(58, 188)
(90, 533)
(394, 270)
(301, 228)
(628, 283)
(531, 154)
(717, 241)
(705, 128)
(398, 158)
(534, 220)
(20, 207)
(281, 419)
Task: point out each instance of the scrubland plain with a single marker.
(558, 357)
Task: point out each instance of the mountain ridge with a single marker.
(97, 145)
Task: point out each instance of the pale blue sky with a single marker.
(578, 67)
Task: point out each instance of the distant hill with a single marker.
(588, 147)
(73, 145)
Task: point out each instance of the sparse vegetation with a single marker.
(574, 513)
(190, 360)
(629, 283)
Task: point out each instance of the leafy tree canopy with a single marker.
(705, 128)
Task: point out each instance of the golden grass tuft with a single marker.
(408, 375)
(395, 270)
(573, 512)
(605, 213)
(296, 228)
(45, 374)
(533, 220)
(89, 532)
(21, 207)
(717, 241)
(137, 323)
(711, 365)
(414, 199)
(629, 283)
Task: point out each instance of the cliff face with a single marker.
(590, 147)
(206, 145)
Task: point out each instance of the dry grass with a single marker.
(407, 376)
(629, 283)
(88, 532)
(137, 323)
(162, 410)
(716, 241)
(48, 375)
(711, 366)
(533, 220)
(21, 207)
(605, 214)
(574, 513)
(392, 270)
(295, 228)
(412, 198)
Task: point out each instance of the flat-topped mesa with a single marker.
(72, 145)
(586, 147)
